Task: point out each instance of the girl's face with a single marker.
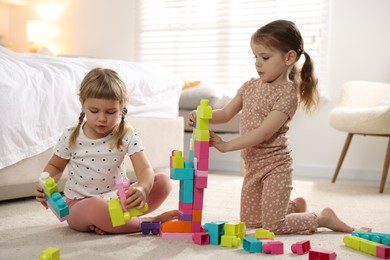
(102, 116)
(271, 65)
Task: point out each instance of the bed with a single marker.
(39, 99)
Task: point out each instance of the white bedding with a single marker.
(39, 97)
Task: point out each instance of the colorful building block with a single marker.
(235, 229)
(201, 238)
(201, 135)
(263, 233)
(177, 226)
(301, 247)
(273, 248)
(53, 198)
(59, 206)
(367, 246)
(177, 159)
(122, 186)
(367, 229)
(173, 235)
(320, 254)
(375, 237)
(148, 227)
(215, 230)
(383, 252)
(50, 253)
(50, 186)
(118, 216)
(230, 241)
(252, 245)
(201, 179)
(186, 173)
(197, 227)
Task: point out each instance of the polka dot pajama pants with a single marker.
(265, 200)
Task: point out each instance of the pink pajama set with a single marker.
(267, 186)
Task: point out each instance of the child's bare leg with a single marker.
(328, 218)
(159, 192)
(92, 214)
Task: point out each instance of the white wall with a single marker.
(359, 43)
(360, 38)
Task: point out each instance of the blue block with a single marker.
(185, 217)
(375, 237)
(59, 205)
(191, 157)
(182, 173)
(215, 230)
(186, 192)
(252, 245)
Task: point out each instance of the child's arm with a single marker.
(136, 196)
(271, 124)
(55, 168)
(220, 116)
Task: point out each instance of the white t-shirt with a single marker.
(94, 165)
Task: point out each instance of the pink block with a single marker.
(273, 248)
(202, 147)
(202, 238)
(301, 248)
(201, 173)
(366, 229)
(200, 182)
(122, 185)
(383, 252)
(185, 206)
(202, 165)
(175, 235)
(321, 254)
(196, 227)
(198, 198)
(185, 211)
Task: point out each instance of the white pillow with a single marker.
(385, 100)
(190, 97)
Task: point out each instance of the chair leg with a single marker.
(342, 156)
(385, 169)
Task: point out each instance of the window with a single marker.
(208, 40)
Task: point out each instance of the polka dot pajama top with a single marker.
(93, 164)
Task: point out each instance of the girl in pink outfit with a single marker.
(268, 104)
(94, 153)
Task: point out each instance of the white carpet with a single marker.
(27, 228)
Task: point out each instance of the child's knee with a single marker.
(163, 182)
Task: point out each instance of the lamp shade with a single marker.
(37, 31)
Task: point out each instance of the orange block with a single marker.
(177, 226)
(197, 215)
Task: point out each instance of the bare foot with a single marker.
(166, 216)
(300, 205)
(328, 218)
(97, 230)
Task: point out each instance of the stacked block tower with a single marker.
(192, 175)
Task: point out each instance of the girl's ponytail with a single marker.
(307, 87)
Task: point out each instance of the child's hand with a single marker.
(191, 120)
(40, 196)
(135, 197)
(217, 142)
